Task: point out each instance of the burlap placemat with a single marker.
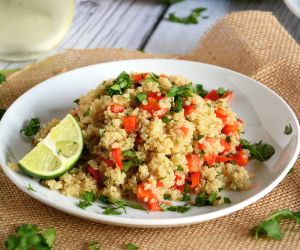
(253, 43)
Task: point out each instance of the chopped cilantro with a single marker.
(178, 92)
(87, 199)
(192, 18)
(227, 200)
(179, 168)
(165, 119)
(94, 245)
(288, 129)
(30, 188)
(111, 210)
(291, 170)
(169, 2)
(271, 226)
(186, 197)
(221, 91)
(2, 111)
(167, 196)
(259, 151)
(76, 101)
(151, 77)
(130, 160)
(205, 199)
(29, 236)
(141, 97)
(178, 209)
(200, 90)
(31, 128)
(228, 139)
(2, 78)
(129, 154)
(131, 246)
(120, 84)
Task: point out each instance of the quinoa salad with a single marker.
(157, 139)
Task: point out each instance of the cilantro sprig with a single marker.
(259, 151)
(271, 226)
(31, 128)
(178, 209)
(2, 111)
(131, 246)
(120, 84)
(199, 89)
(94, 245)
(29, 236)
(288, 129)
(87, 199)
(141, 97)
(192, 18)
(130, 160)
(179, 92)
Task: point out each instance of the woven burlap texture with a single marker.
(251, 42)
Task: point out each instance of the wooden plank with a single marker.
(108, 23)
(178, 38)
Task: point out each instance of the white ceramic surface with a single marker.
(264, 112)
(294, 6)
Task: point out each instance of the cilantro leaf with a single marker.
(271, 226)
(141, 97)
(221, 91)
(131, 246)
(204, 199)
(151, 77)
(186, 197)
(87, 199)
(30, 188)
(227, 200)
(120, 84)
(31, 128)
(182, 91)
(169, 2)
(2, 111)
(28, 236)
(192, 18)
(201, 91)
(2, 78)
(179, 168)
(178, 209)
(76, 101)
(94, 245)
(165, 119)
(288, 129)
(259, 151)
(129, 154)
(130, 160)
(111, 211)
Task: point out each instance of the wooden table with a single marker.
(141, 24)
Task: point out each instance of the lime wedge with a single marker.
(57, 153)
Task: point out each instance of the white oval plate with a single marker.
(264, 112)
(294, 6)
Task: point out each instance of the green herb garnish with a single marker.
(141, 97)
(226, 200)
(192, 18)
(131, 246)
(29, 236)
(120, 84)
(228, 139)
(2, 111)
(200, 90)
(2, 78)
(178, 209)
(30, 188)
(130, 160)
(288, 129)
(169, 2)
(221, 91)
(271, 226)
(76, 101)
(165, 119)
(179, 92)
(151, 77)
(179, 168)
(111, 210)
(259, 151)
(204, 199)
(94, 245)
(31, 128)
(186, 197)
(87, 199)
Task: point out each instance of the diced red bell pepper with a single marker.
(193, 162)
(154, 206)
(108, 162)
(222, 158)
(145, 75)
(210, 159)
(151, 107)
(241, 158)
(138, 77)
(221, 113)
(212, 95)
(188, 109)
(227, 96)
(163, 76)
(239, 147)
(117, 108)
(195, 179)
(155, 96)
(230, 128)
(184, 130)
(159, 184)
(94, 173)
(225, 145)
(129, 123)
(117, 156)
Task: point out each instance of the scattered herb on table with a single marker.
(29, 236)
(291, 170)
(205, 199)
(87, 199)
(192, 18)
(141, 50)
(2, 111)
(131, 246)
(93, 245)
(120, 84)
(30, 188)
(114, 207)
(179, 92)
(76, 101)
(226, 200)
(169, 2)
(31, 128)
(271, 226)
(178, 209)
(2, 78)
(259, 151)
(288, 129)
(200, 90)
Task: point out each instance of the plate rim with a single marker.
(163, 222)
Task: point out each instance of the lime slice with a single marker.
(56, 153)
